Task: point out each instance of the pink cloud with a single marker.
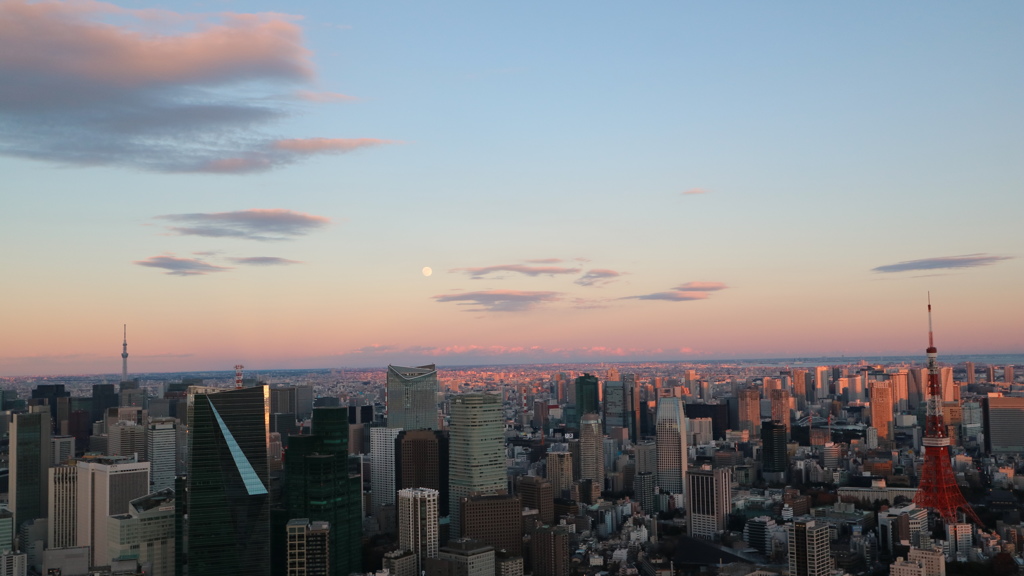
(310, 96)
(701, 287)
(499, 300)
(693, 191)
(317, 145)
(673, 296)
(598, 276)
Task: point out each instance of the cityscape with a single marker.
(417, 288)
(767, 468)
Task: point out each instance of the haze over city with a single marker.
(348, 185)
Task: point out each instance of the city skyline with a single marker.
(353, 186)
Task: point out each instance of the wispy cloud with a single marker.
(499, 300)
(156, 90)
(517, 268)
(685, 292)
(176, 266)
(598, 276)
(965, 261)
(312, 96)
(257, 224)
(544, 261)
(263, 261)
(694, 191)
(374, 348)
(700, 287)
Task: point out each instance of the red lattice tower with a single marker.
(238, 376)
(938, 490)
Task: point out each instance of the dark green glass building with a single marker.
(322, 485)
(227, 498)
(587, 397)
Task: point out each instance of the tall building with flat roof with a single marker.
(162, 452)
(417, 523)
(308, 547)
(467, 557)
(1002, 418)
(709, 501)
(558, 467)
(592, 455)
(882, 409)
(750, 411)
(672, 448)
(30, 457)
(539, 494)
(587, 397)
(809, 552)
(421, 461)
(228, 502)
(496, 520)
(550, 551)
(382, 466)
(62, 506)
(477, 451)
(412, 397)
(106, 487)
(145, 533)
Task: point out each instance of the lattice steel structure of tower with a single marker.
(938, 490)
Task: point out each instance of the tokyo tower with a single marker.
(938, 490)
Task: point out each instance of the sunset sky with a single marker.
(586, 181)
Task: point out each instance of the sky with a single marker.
(328, 184)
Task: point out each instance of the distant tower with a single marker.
(671, 446)
(476, 452)
(124, 356)
(938, 490)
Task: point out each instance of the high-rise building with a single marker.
(672, 449)
(558, 465)
(106, 486)
(780, 400)
(162, 452)
(1002, 418)
(417, 523)
(401, 563)
(228, 502)
(1008, 374)
(382, 466)
(646, 457)
(809, 553)
(308, 547)
(62, 449)
(467, 557)
(322, 486)
(969, 368)
(933, 561)
(822, 382)
(709, 501)
(550, 551)
(145, 533)
(643, 488)
(592, 455)
(48, 394)
(758, 533)
(104, 396)
(477, 451)
(775, 459)
(29, 459)
(622, 406)
(539, 494)
(421, 461)
(587, 397)
(412, 397)
(899, 382)
(62, 506)
(750, 411)
(881, 409)
(496, 520)
(990, 373)
(127, 438)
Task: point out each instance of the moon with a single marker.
(427, 271)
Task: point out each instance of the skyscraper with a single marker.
(622, 406)
(592, 455)
(709, 501)
(969, 368)
(62, 508)
(881, 409)
(672, 449)
(587, 397)
(417, 523)
(496, 520)
(228, 476)
(29, 459)
(1002, 419)
(412, 397)
(775, 459)
(421, 461)
(308, 547)
(780, 408)
(822, 382)
(382, 466)
(750, 411)
(320, 486)
(106, 486)
(477, 451)
(558, 465)
(809, 553)
(162, 452)
(145, 532)
(539, 494)
(550, 552)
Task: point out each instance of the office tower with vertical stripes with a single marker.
(672, 446)
(417, 523)
(477, 452)
(412, 397)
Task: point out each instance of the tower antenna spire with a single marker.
(124, 356)
(931, 338)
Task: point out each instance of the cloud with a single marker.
(544, 261)
(373, 348)
(694, 191)
(597, 276)
(181, 266)
(311, 96)
(326, 145)
(965, 261)
(518, 268)
(156, 90)
(700, 287)
(499, 300)
(672, 296)
(256, 224)
(685, 292)
(263, 261)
